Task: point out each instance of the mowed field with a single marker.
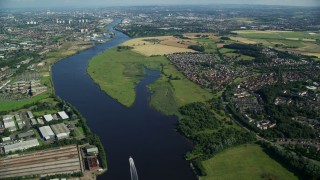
(164, 45)
(290, 35)
(297, 42)
(245, 162)
(62, 160)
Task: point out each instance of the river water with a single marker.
(140, 132)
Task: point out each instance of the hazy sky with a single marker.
(101, 3)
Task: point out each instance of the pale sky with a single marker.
(106, 3)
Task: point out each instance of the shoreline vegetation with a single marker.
(126, 69)
(202, 117)
(51, 58)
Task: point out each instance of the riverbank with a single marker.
(66, 50)
(117, 72)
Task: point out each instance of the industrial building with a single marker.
(60, 130)
(48, 117)
(33, 121)
(63, 115)
(21, 145)
(17, 116)
(4, 139)
(8, 123)
(30, 115)
(7, 117)
(92, 150)
(92, 163)
(26, 134)
(46, 132)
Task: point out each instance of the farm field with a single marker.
(245, 162)
(158, 45)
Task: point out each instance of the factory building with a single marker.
(48, 117)
(27, 134)
(21, 146)
(60, 130)
(8, 123)
(30, 115)
(63, 115)
(46, 132)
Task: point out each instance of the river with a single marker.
(141, 132)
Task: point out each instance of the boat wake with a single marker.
(133, 170)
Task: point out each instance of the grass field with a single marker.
(118, 72)
(168, 95)
(278, 35)
(245, 162)
(7, 106)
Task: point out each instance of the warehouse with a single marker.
(46, 132)
(8, 123)
(92, 150)
(33, 121)
(48, 117)
(26, 134)
(7, 117)
(17, 116)
(60, 130)
(21, 145)
(63, 115)
(30, 115)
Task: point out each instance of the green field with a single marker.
(169, 94)
(118, 72)
(278, 35)
(245, 162)
(13, 105)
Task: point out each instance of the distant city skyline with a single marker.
(106, 3)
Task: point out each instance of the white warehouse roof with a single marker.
(21, 145)
(7, 118)
(46, 132)
(63, 115)
(48, 117)
(9, 124)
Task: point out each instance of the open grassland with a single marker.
(173, 90)
(118, 72)
(158, 45)
(244, 40)
(290, 35)
(12, 105)
(292, 41)
(245, 162)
